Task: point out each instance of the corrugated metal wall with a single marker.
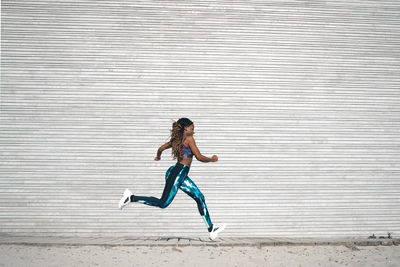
(299, 99)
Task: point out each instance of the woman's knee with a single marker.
(200, 196)
(164, 205)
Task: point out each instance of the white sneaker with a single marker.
(126, 199)
(216, 229)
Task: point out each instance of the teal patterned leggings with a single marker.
(177, 178)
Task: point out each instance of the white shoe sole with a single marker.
(214, 235)
(127, 194)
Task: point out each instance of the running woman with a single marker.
(183, 148)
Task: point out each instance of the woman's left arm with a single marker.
(161, 149)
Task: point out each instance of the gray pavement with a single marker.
(193, 241)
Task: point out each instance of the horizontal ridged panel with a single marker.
(300, 100)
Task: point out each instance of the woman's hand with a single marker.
(214, 158)
(157, 158)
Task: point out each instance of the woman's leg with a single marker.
(190, 188)
(174, 177)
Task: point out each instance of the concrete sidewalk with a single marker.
(193, 241)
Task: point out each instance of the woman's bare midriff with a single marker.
(186, 161)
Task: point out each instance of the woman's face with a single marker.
(189, 130)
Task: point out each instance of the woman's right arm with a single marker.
(161, 149)
(196, 151)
